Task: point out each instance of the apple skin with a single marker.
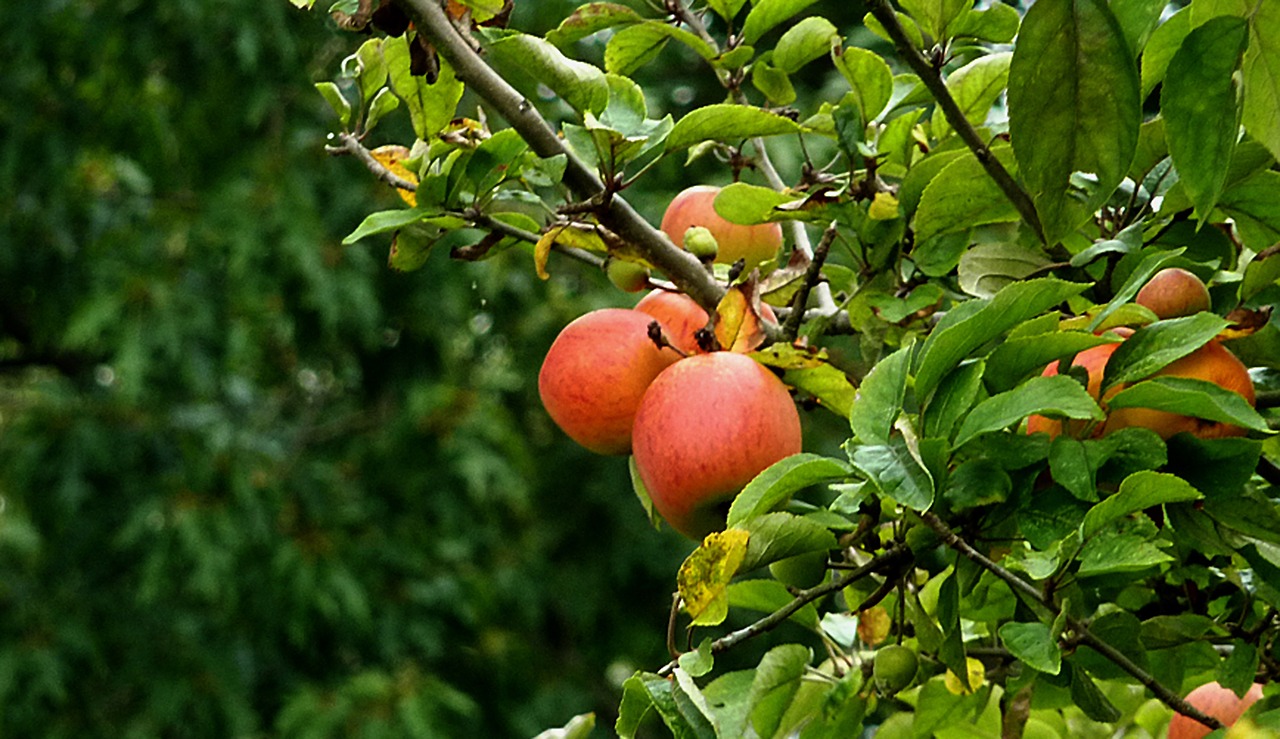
(1216, 701)
(706, 426)
(1094, 360)
(681, 318)
(693, 207)
(596, 373)
(1174, 292)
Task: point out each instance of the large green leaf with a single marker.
(1261, 77)
(780, 481)
(1155, 346)
(1014, 359)
(962, 196)
(935, 15)
(880, 396)
(779, 535)
(431, 106)
(949, 344)
(804, 42)
(1034, 645)
(727, 122)
(1139, 491)
(895, 472)
(1138, 18)
(1074, 106)
(644, 692)
(1198, 103)
(591, 19)
(776, 681)
(535, 61)
(975, 86)
(637, 44)
(1059, 395)
(767, 14)
(870, 77)
(1161, 47)
(1253, 204)
(1189, 396)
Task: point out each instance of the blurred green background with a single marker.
(254, 483)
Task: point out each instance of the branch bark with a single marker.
(932, 79)
(681, 267)
(1081, 630)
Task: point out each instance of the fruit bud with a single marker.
(894, 669)
(699, 242)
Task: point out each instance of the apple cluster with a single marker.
(1170, 293)
(700, 424)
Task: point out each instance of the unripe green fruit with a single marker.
(628, 276)
(700, 242)
(894, 668)
(801, 571)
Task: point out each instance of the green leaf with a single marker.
(870, 77)
(534, 60)
(766, 14)
(1261, 76)
(1219, 468)
(1151, 348)
(986, 268)
(1194, 397)
(880, 397)
(334, 97)
(384, 221)
(1198, 103)
(895, 472)
(977, 482)
(997, 24)
(935, 15)
(946, 346)
(1139, 491)
(767, 596)
(1238, 671)
(780, 481)
(411, 245)
(1163, 632)
(431, 106)
(1138, 18)
(589, 20)
(749, 204)
(727, 122)
(644, 692)
(776, 536)
(1253, 204)
(1058, 396)
(726, 9)
(773, 82)
(975, 87)
(1074, 106)
(1163, 44)
(828, 385)
(921, 174)
(383, 103)
(370, 68)
(962, 196)
(802, 43)
(1086, 695)
(1033, 644)
(955, 395)
(1111, 553)
(1014, 359)
(776, 681)
(1071, 467)
(637, 45)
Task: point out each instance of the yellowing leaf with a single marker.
(873, 625)
(704, 577)
(392, 157)
(738, 320)
(542, 249)
(976, 675)
(883, 208)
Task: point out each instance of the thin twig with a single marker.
(791, 328)
(932, 79)
(1083, 635)
(890, 557)
(349, 145)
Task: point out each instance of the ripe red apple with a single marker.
(681, 317)
(1211, 362)
(1216, 701)
(693, 207)
(595, 374)
(1174, 292)
(706, 426)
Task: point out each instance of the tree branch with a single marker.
(349, 145)
(932, 79)
(791, 327)
(1083, 635)
(678, 265)
(890, 557)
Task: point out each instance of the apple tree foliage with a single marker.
(971, 191)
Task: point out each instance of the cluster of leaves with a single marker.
(996, 193)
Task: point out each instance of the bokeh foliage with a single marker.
(253, 482)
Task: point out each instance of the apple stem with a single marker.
(660, 339)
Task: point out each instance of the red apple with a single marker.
(595, 374)
(706, 426)
(1174, 292)
(693, 207)
(681, 317)
(1216, 701)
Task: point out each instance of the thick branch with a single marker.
(681, 267)
(1083, 635)
(890, 557)
(932, 79)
